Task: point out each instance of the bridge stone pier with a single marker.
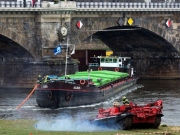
(140, 30)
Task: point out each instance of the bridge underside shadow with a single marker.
(11, 50)
(134, 39)
(152, 55)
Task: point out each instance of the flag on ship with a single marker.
(57, 50)
(73, 51)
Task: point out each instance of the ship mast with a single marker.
(66, 57)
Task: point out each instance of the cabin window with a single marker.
(107, 60)
(114, 60)
(110, 60)
(119, 60)
(102, 60)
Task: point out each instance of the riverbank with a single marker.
(27, 127)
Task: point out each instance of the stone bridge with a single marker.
(29, 35)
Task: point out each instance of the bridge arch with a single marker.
(15, 39)
(156, 25)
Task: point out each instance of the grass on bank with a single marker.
(26, 127)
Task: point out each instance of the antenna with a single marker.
(66, 56)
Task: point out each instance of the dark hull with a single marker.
(126, 121)
(108, 122)
(51, 95)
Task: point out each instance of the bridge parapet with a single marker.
(19, 4)
(62, 4)
(126, 6)
(118, 5)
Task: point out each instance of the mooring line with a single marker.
(27, 97)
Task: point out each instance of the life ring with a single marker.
(100, 68)
(117, 69)
(68, 96)
(82, 81)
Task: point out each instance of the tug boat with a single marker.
(83, 88)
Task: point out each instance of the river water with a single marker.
(145, 91)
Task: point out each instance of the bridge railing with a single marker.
(19, 4)
(92, 5)
(122, 5)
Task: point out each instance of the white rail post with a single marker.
(2, 3)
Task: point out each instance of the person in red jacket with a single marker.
(33, 3)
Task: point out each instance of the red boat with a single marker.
(130, 115)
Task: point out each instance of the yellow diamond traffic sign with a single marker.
(130, 21)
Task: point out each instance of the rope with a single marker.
(27, 97)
